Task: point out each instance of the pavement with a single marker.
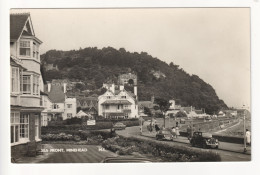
(233, 147)
(69, 153)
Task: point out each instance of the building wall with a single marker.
(114, 108)
(72, 110)
(30, 100)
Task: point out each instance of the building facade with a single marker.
(121, 104)
(58, 105)
(26, 84)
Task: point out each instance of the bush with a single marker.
(73, 120)
(126, 146)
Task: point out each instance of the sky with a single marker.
(213, 43)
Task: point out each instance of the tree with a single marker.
(163, 106)
(147, 111)
(181, 114)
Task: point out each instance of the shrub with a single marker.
(123, 146)
(73, 120)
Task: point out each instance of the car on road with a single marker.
(119, 126)
(203, 139)
(126, 159)
(164, 135)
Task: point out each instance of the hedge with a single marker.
(168, 153)
(75, 127)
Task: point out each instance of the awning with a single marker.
(116, 102)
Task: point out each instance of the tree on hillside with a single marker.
(163, 106)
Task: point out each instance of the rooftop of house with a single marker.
(17, 22)
(56, 93)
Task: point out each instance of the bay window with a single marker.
(15, 124)
(26, 84)
(24, 126)
(30, 84)
(35, 50)
(15, 79)
(25, 48)
(35, 85)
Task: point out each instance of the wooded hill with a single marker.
(95, 66)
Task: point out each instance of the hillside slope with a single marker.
(94, 66)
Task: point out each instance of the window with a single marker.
(123, 96)
(107, 106)
(26, 84)
(36, 126)
(55, 106)
(15, 122)
(108, 97)
(35, 51)
(15, 79)
(35, 85)
(30, 87)
(126, 106)
(69, 105)
(24, 126)
(25, 49)
(69, 115)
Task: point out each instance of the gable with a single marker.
(20, 23)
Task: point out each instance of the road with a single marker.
(225, 151)
(72, 154)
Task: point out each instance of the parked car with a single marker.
(164, 135)
(119, 126)
(125, 159)
(204, 140)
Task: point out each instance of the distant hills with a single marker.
(95, 66)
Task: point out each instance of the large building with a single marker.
(119, 103)
(26, 84)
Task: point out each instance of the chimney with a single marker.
(49, 86)
(113, 88)
(152, 99)
(121, 87)
(65, 87)
(135, 90)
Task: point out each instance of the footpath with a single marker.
(233, 147)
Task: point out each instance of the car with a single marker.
(119, 126)
(204, 140)
(164, 135)
(126, 159)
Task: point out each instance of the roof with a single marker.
(81, 113)
(124, 102)
(56, 94)
(43, 93)
(17, 22)
(15, 63)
